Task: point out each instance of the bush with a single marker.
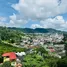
(6, 64)
(62, 62)
(1, 59)
(0, 65)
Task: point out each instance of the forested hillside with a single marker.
(36, 30)
(10, 35)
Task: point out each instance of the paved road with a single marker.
(14, 44)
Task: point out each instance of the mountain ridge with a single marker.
(37, 30)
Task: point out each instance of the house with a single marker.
(11, 56)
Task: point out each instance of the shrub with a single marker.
(6, 64)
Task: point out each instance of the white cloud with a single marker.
(43, 10)
(17, 21)
(3, 19)
(56, 23)
(14, 21)
(36, 26)
(40, 9)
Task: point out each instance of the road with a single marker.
(14, 44)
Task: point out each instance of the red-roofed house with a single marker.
(11, 56)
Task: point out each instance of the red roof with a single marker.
(11, 55)
(6, 54)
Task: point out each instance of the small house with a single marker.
(11, 56)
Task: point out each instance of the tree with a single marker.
(6, 64)
(1, 59)
(41, 50)
(12, 41)
(62, 62)
(34, 61)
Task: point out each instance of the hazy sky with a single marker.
(34, 13)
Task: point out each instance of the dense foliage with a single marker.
(35, 60)
(41, 58)
(10, 35)
(8, 48)
(6, 64)
(36, 30)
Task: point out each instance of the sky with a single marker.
(34, 14)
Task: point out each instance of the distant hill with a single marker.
(37, 30)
